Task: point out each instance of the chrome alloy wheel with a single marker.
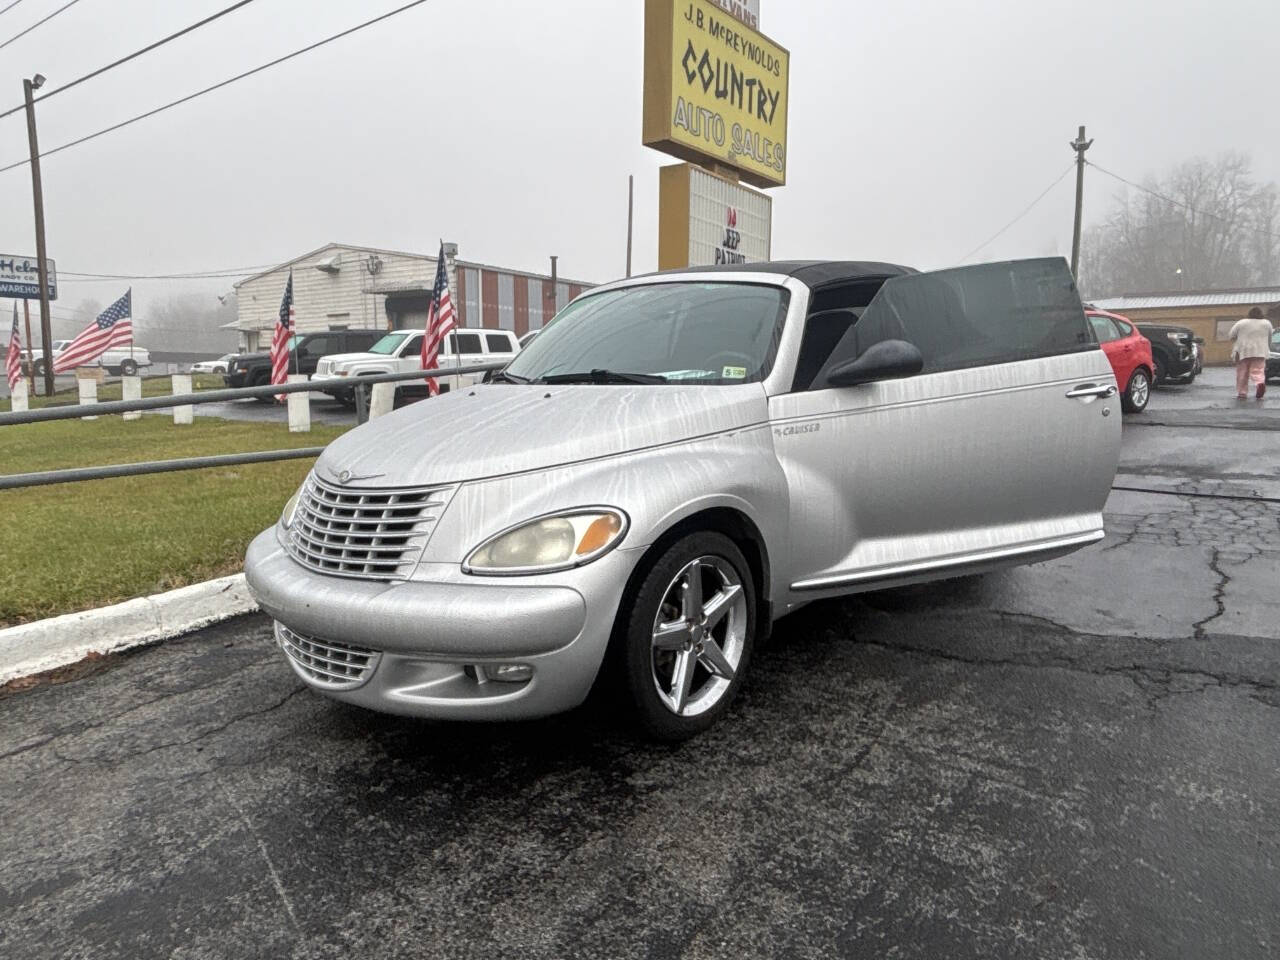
(699, 635)
(1140, 390)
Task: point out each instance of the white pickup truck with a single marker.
(118, 360)
(401, 352)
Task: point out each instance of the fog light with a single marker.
(508, 672)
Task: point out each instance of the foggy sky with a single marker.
(917, 129)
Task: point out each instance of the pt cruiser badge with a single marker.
(617, 507)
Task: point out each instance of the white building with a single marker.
(341, 286)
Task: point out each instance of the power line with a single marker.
(10, 7)
(132, 56)
(1186, 206)
(19, 36)
(1029, 208)
(191, 275)
(217, 86)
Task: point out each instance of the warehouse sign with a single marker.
(704, 219)
(715, 90)
(20, 278)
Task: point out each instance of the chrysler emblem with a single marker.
(346, 476)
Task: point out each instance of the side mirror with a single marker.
(886, 360)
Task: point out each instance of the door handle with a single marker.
(1092, 390)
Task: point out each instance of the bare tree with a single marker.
(1207, 224)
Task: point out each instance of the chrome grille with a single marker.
(334, 666)
(369, 533)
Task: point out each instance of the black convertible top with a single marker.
(813, 273)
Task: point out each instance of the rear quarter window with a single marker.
(497, 343)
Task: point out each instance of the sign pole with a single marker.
(37, 191)
(631, 205)
(31, 364)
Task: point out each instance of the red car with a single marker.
(1130, 355)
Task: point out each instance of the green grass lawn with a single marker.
(151, 387)
(75, 546)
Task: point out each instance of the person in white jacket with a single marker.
(1252, 337)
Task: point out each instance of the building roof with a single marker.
(1241, 296)
(404, 253)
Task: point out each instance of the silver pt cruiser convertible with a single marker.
(675, 462)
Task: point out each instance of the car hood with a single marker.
(497, 429)
(335, 358)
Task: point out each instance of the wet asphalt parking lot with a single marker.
(1076, 759)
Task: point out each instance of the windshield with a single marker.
(714, 333)
(388, 343)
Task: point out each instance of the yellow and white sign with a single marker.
(704, 219)
(715, 90)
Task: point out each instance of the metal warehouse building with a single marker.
(341, 286)
(1207, 313)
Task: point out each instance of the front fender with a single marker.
(657, 488)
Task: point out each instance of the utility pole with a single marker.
(42, 262)
(1079, 145)
(631, 206)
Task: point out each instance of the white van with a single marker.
(401, 352)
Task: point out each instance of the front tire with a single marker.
(128, 368)
(1137, 393)
(261, 379)
(1160, 376)
(687, 633)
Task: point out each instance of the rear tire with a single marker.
(128, 368)
(1137, 393)
(702, 636)
(261, 379)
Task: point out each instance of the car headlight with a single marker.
(545, 544)
(291, 508)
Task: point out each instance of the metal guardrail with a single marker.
(342, 384)
(75, 411)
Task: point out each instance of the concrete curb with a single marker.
(46, 644)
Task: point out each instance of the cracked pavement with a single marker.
(1075, 759)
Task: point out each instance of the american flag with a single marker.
(440, 320)
(13, 356)
(113, 327)
(280, 339)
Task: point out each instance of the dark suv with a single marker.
(1175, 351)
(305, 351)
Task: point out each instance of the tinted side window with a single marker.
(314, 347)
(413, 348)
(976, 316)
(469, 344)
(363, 340)
(497, 343)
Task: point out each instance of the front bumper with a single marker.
(432, 636)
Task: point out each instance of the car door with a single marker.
(310, 350)
(1110, 339)
(1002, 448)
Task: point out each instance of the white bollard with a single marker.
(88, 393)
(131, 389)
(382, 400)
(299, 406)
(18, 397)
(184, 414)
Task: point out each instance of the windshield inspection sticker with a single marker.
(734, 373)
